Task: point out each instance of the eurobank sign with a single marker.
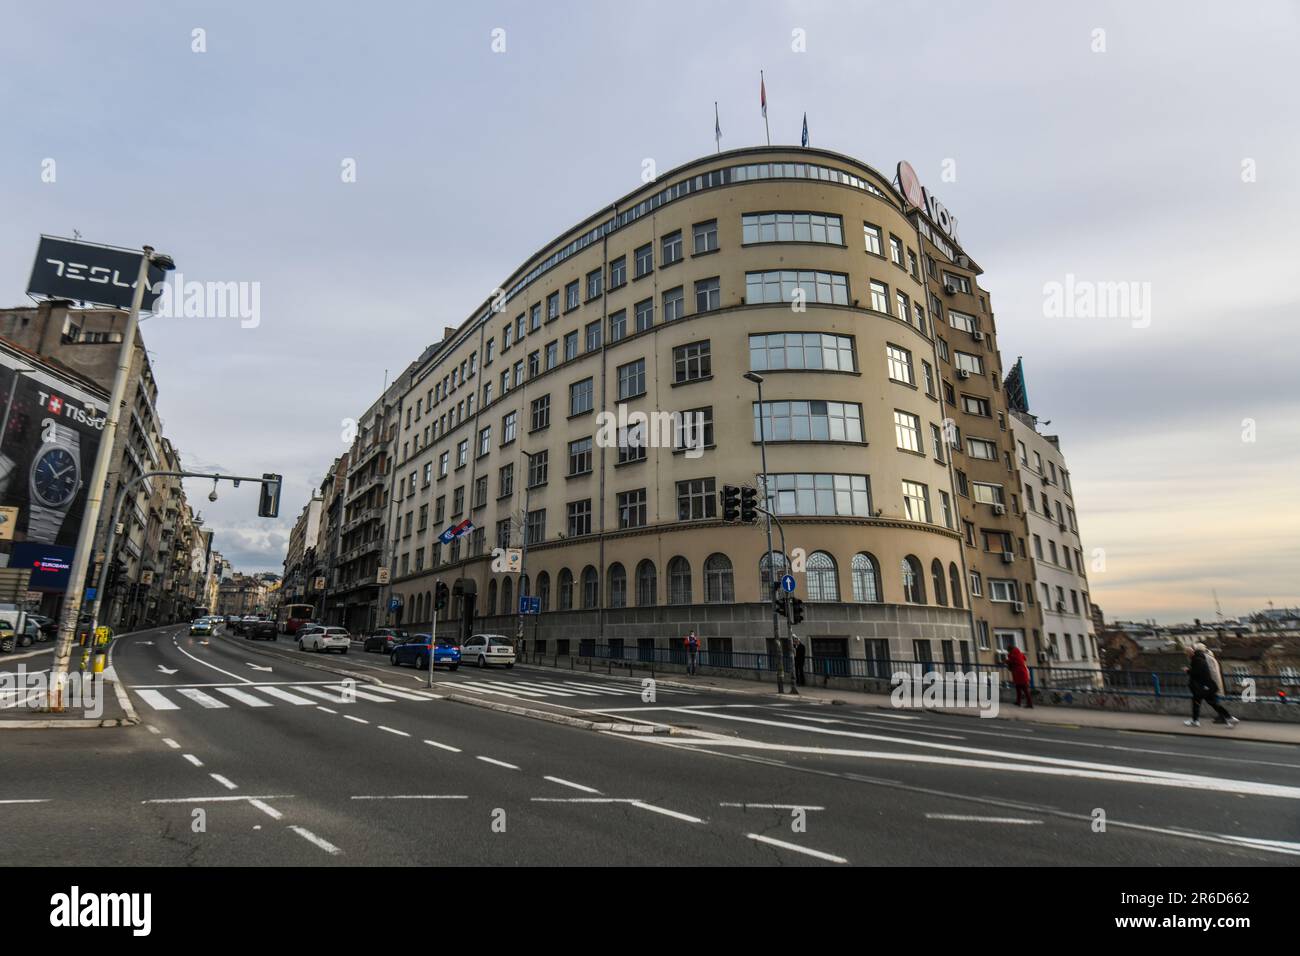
(923, 199)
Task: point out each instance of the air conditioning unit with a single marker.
(977, 335)
(999, 509)
(1018, 607)
(949, 288)
(1008, 557)
(963, 373)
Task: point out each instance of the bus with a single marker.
(197, 611)
(290, 617)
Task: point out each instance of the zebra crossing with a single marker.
(558, 688)
(259, 695)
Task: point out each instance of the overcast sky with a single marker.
(1162, 151)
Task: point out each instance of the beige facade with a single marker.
(860, 377)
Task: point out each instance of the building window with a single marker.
(823, 583)
(708, 295)
(544, 591)
(808, 421)
(913, 581)
(647, 586)
(571, 346)
(694, 428)
(579, 457)
(674, 304)
(697, 499)
(540, 414)
(484, 441)
(632, 509)
(692, 362)
(706, 236)
(480, 491)
(509, 427)
(552, 306)
(826, 495)
(825, 288)
(632, 443)
(618, 272)
(916, 501)
(595, 280)
(645, 314)
(719, 580)
(580, 397)
(645, 260)
(879, 296)
(618, 326)
(535, 530)
(980, 448)
(907, 431)
(801, 350)
(631, 379)
(866, 579)
(590, 587)
(506, 481)
(565, 597)
(462, 453)
(936, 581)
(766, 580)
(571, 295)
(671, 249)
(791, 227)
(594, 330)
(954, 579)
(900, 365)
(579, 518)
(538, 465)
(871, 235)
(617, 578)
(679, 581)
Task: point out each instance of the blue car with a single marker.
(415, 651)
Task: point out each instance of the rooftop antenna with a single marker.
(1217, 609)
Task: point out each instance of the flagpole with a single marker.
(762, 83)
(717, 126)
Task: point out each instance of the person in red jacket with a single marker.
(1019, 675)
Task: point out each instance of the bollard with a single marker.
(100, 661)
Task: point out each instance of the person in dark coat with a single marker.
(800, 653)
(1200, 679)
(1019, 669)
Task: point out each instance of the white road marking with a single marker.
(542, 688)
(969, 818)
(326, 709)
(570, 783)
(242, 697)
(171, 743)
(281, 694)
(796, 848)
(193, 759)
(359, 720)
(316, 692)
(400, 733)
(499, 763)
(43, 800)
(223, 781)
(666, 812)
(772, 806)
(359, 694)
(269, 810)
(310, 837)
(204, 700)
(271, 796)
(596, 688)
(434, 743)
(156, 700)
(416, 796)
(153, 729)
(242, 680)
(400, 694)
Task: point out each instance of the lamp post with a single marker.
(771, 565)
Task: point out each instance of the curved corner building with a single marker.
(887, 440)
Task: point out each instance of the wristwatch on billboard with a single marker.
(55, 481)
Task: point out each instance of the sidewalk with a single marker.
(19, 705)
(1069, 717)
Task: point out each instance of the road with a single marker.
(258, 754)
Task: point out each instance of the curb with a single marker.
(604, 726)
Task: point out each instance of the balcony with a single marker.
(364, 484)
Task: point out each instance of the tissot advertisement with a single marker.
(51, 433)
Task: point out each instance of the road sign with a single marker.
(530, 605)
(787, 584)
(394, 603)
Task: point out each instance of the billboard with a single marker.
(87, 272)
(50, 565)
(49, 436)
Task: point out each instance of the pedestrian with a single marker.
(1204, 687)
(800, 653)
(692, 644)
(1019, 675)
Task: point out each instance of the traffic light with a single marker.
(780, 600)
(269, 505)
(730, 503)
(440, 595)
(796, 611)
(748, 505)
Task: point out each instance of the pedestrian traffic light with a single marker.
(269, 505)
(748, 505)
(796, 611)
(440, 594)
(730, 503)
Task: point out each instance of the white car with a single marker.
(485, 649)
(326, 639)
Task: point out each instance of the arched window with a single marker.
(823, 584)
(590, 587)
(617, 578)
(913, 581)
(954, 578)
(936, 579)
(565, 600)
(719, 582)
(426, 608)
(491, 598)
(415, 608)
(544, 591)
(679, 581)
(647, 584)
(765, 576)
(866, 579)
(507, 597)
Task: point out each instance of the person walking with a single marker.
(1019, 669)
(692, 644)
(800, 654)
(1204, 687)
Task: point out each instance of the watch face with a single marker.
(54, 480)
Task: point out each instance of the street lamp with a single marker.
(771, 565)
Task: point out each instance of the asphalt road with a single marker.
(259, 754)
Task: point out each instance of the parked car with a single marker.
(8, 638)
(415, 652)
(257, 630)
(485, 649)
(324, 639)
(385, 639)
(202, 626)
